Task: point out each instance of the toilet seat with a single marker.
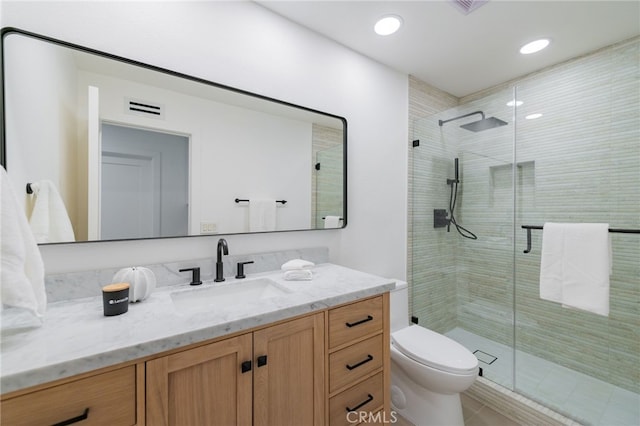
(435, 350)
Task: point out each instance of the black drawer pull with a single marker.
(351, 367)
(246, 366)
(81, 417)
(262, 360)
(353, 324)
(365, 402)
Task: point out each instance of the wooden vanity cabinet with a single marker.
(272, 376)
(310, 370)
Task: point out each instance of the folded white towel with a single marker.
(262, 215)
(22, 270)
(575, 265)
(297, 264)
(331, 222)
(298, 275)
(49, 219)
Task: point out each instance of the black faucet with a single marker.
(223, 248)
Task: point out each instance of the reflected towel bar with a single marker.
(239, 200)
(530, 227)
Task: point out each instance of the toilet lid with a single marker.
(434, 349)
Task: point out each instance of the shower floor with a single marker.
(586, 399)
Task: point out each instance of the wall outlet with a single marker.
(208, 228)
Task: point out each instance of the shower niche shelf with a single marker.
(500, 182)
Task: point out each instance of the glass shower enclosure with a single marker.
(568, 151)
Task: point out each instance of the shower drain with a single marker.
(484, 357)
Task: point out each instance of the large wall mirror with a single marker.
(136, 151)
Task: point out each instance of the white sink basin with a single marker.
(215, 296)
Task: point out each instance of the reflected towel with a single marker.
(331, 222)
(49, 219)
(21, 268)
(262, 215)
(575, 265)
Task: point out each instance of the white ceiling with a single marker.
(462, 54)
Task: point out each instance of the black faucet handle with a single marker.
(195, 277)
(240, 273)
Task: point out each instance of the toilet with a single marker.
(428, 369)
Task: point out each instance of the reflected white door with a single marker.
(130, 201)
(144, 183)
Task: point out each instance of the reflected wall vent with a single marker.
(144, 108)
(467, 6)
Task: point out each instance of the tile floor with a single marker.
(587, 400)
(475, 414)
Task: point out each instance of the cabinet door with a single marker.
(289, 382)
(201, 386)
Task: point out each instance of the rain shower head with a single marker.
(477, 126)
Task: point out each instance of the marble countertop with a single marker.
(76, 337)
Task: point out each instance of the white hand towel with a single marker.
(262, 215)
(297, 264)
(331, 222)
(298, 275)
(576, 264)
(22, 270)
(49, 219)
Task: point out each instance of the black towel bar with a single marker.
(614, 230)
(239, 200)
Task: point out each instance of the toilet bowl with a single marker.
(428, 369)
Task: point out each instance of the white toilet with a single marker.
(428, 370)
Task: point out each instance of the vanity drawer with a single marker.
(109, 397)
(366, 397)
(353, 362)
(355, 320)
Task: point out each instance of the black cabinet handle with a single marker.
(353, 324)
(246, 366)
(81, 417)
(262, 360)
(363, 403)
(351, 367)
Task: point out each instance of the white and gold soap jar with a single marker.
(141, 281)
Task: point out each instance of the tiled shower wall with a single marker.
(327, 184)
(579, 162)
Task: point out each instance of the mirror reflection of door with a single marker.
(144, 183)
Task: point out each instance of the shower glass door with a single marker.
(463, 287)
(570, 152)
(578, 162)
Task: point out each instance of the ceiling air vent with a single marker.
(144, 108)
(467, 6)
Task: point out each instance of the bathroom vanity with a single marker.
(306, 356)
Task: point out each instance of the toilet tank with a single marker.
(399, 306)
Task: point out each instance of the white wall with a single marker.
(229, 158)
(241, 44)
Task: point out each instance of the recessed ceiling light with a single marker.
(514, 103)
(534, 46)
(533, 116)
(388, 25)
